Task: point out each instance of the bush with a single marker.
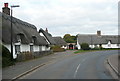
(57, 49)
(6, 57)
(85, 46)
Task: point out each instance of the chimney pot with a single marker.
(5, 4)
(5, 9)
(99, 33)
(46, 30)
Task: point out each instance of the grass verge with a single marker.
(82, 51)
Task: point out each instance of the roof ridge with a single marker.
(18, 21)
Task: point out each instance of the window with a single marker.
(118, 45)
(34, 39)
(17, 49)
(40, 48)
(31, 48)
(109, 45)
(18, 38)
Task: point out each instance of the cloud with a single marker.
(69, 16)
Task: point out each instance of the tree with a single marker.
(85, 46)
(69, 39)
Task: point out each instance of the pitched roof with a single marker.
(94, 39)
(59, 41)
(48, 36)
(26, 30)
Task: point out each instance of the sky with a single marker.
(68, 16)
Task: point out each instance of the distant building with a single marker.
(71, 46)
(60, 42)
(48, 37)
(98, 40)
(53, 40)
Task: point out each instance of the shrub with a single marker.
(85, 46)
(57, 49)
(6, 57)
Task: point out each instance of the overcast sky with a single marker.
(69, 16)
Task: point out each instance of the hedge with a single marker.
(6, 57)
(57, 48)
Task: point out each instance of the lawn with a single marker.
(82, 51)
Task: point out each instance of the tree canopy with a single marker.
(69, 39)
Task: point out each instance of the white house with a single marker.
(60, 42)
(53, 40)
(48, 37)
(25, 35)
(97, 40)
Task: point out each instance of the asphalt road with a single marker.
(89, 65)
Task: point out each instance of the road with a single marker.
(90, 65)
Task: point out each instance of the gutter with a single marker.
(115, 70)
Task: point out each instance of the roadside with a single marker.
(22, 67)
(113, 64)
(92, 50)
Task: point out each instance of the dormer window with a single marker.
(19, 37)
(33, 39)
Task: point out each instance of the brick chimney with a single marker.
(5, 9)
(98, 33)
(46, 30)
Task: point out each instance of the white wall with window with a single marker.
(36, 48)
(25, 47)
(43, 48)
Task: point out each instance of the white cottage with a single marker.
(97, 40)
(53, 40)
(60, 42)
(25, 35)
(48, 37)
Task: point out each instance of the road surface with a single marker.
(90, 65)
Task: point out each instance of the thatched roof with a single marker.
(94, 39)
(59, 41)
(27, 31)
(48, 36)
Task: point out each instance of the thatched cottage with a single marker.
(60, 42)
(98, 40)
(25, 35)
(52, 40)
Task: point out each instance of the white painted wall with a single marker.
(8, 46)
(47, 48)
(35, 48)
(111, 46)
(78, 45)
(24, 47)
(43, 48)
(91, 46)
(65, 47)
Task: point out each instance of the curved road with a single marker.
(90, 65)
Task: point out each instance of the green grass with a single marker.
(82, 51)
